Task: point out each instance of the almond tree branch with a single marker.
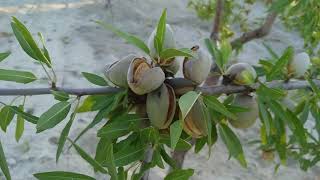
(257, 33)
(217, 20)
(181, 85)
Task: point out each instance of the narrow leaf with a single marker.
(28, 117)
(128, 155)
(60, 95)
(17, 76)
(128, 37)
(186, 102)
(64, 135)
(89, 159)
(19, 125)
(180, 174)
(4, 55)
(233, 144)
(215, 104)
(53, 116)
(61, 175)
(95, 79)
(175, 133)
(6, 116)
(170, 53)
(3, 164)
(27, 42)
(161, 31)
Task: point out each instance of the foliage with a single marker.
(301, 15)
(126, 136)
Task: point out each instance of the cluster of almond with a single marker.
(146, 77)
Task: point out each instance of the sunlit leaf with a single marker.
(61, 175)
(128, 37)
(28, 117)
(180, 174)
(182, 145)
(89, 159)
(19, 125)
(53, 116)
(233, 144)
(95, 79)
(63, 136)
(175, 133)
(27, 42)
(281, 64)
(161, 31)
(170, 53)
(60, 95)
(128, 155)
(17, 76)
(186, 102)
(6, 116)
(215, 104)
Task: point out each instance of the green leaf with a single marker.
(226, 51)
(60, 95)
(122, 175)
(128, 155)
(19, 125)
(95, 102)
(180, 174)
(170, 53)
(156, 158)
(28, 117)
(199, 144)
(128, 37)
(119, 127)
(186, 102)
(6, 116)
(53, 116)
(168, 159)
(233, 144)
(44, 49)
(61, 175)
(4, 55)
(215, 53)
(89, 159)
(273, 54)
(104, 153)
(95, 79)
(175, 133)
(161, 31)
(297, 128)
(281, 63)
(314, 87)
(99, 116)
(17, 76)
(3, 164)
(63, 136)
(215, 104)
(27, 42)
(182, 145)
(265, 116)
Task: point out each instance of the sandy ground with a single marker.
(76, 44)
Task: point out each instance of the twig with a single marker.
(176, 83)
(217, 20)
(257, 33)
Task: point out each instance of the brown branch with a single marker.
(257, 33)
(217, 20)
(180, 85)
